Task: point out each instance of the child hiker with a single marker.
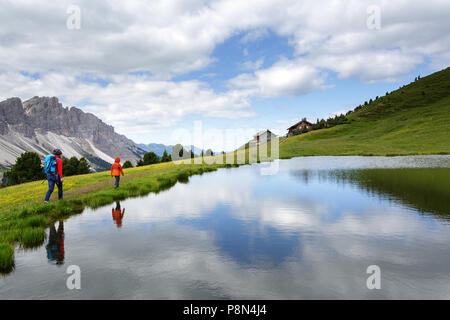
(117, 214)
(116, 170)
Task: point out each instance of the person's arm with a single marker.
(120, 167)
(59, 167)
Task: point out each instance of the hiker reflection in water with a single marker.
(117, 214)
(55, 246)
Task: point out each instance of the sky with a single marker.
(156, 70)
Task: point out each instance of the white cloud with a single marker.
(254, 35)
(175, 37)
(285, 78)
(252, 65)
(163, 38)
(133, 104)
(169, 38)
(369, 66)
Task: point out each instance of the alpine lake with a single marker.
(317, 228)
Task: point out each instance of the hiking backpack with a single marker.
(50, 164)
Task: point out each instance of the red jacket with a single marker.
(116, 168)
(59, 167)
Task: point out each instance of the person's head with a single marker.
(117, 160)
(57, 153)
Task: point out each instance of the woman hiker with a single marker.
(116, 170)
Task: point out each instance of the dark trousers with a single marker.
(52, 180)
(117, 181)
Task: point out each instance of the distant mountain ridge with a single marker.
(42, 124)
(159, 148)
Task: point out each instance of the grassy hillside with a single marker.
(414, 119)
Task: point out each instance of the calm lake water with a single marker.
(308, 232)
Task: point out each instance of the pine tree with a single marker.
(150, 158)
(70, 166)
(28, 167)
(83, 166)
(127, 164)
(165, 157)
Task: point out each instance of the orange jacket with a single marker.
(116, 168)
(117, 216)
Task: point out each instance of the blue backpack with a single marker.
(50, 164)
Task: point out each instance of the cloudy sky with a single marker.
(150, 68)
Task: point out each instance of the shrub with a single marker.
(183, 177)
(36, 221)
(33, 237)
(165, 182)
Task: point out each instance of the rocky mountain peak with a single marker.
(12, 115)
(46, 115)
